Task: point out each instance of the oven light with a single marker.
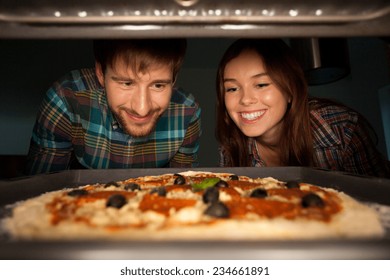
(138, 27)
(57, 14)
(182, 13)
(238, 27)
(107, 14)
(293, 13)
(319, 12)
(82, 14)
(269, 13)
(186, 3)
(193, 13)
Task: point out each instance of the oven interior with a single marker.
(42, 40)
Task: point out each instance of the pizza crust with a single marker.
(31, 219)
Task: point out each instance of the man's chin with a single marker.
(138, 132)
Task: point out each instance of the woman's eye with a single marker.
(262, 85)
(231, 89)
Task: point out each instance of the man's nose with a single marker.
(141, 102)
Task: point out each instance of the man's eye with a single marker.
(126, 84)
(159, 86)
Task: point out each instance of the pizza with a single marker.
(193, 205)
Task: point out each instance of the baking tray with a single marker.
(366, 189)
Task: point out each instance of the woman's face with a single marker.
(252, 100)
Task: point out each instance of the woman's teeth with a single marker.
(252, 116)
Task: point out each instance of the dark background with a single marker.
(29, 67)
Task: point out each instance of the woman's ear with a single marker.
(99, 73)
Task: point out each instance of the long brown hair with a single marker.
(287, 74)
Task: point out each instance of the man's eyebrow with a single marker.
(158, 81)
(163, 81)
(117, 79)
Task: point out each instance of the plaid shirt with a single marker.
(75, 122)
(340, 143)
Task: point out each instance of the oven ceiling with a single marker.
(193, 18)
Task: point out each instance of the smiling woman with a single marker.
(266, 118)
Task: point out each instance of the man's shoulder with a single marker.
(332, 123)
(181, 97)
(79, 80)
(332, 113)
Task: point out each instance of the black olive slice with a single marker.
(211, 195)
(132, 187)
(116, 201)
(161, 191)
(78, 192)
(221, 184)
(259, 193)
(180, 180)
(292, 184)
(233, 177)
(218, 210)
(312, 200)
(112, 183)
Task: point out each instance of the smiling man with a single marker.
(124, 113)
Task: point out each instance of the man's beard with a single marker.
(134, 129)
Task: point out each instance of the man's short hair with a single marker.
(140, 54)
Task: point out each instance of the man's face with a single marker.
(137, 99)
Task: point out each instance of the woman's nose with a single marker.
(248, 97)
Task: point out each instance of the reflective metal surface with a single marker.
(163, 11)
(75, 19)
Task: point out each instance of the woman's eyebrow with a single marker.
(229, 80)
(254, 76)
(260, 75)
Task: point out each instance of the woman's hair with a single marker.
(287, 74)
(140, 54)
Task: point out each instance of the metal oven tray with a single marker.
(370, 190)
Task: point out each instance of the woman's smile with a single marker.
(252, 116)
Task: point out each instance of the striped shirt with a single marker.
(74, 123)
(340, 143)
